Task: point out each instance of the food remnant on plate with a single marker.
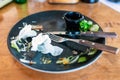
(67, 60)
(14, 45)
(88, 26)
(74, 52)
(45, 60)
(29, 40)
(94, 28)
(92, 51)
(63, 61)
(27, 61)
(82, 59)
(79, 58)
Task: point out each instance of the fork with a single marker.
(90, 44)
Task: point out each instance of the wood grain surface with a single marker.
(107, 67)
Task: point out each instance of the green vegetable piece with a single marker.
(85, 25)
(94, 28)
(45, 60)
(82, 59)
(14, 45)
(92, 52)
(90, 23)
(74, 59)
(59, 62)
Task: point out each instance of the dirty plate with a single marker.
(53, 21)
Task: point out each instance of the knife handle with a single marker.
(99, 46)
(99, 34)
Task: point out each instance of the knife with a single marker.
(79, 34)
(89, 34)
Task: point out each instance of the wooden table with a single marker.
(107, 67)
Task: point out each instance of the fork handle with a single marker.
(99, 46)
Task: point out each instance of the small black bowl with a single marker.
(72, 20)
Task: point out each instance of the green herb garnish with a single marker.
(85, 25)
(14, 45)
(92, 52)
(94, 28)
(82, 59)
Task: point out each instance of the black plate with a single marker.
(52, 21)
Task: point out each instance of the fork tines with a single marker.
(55, 37)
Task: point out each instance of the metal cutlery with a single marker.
(88, 33)
(85, 43)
